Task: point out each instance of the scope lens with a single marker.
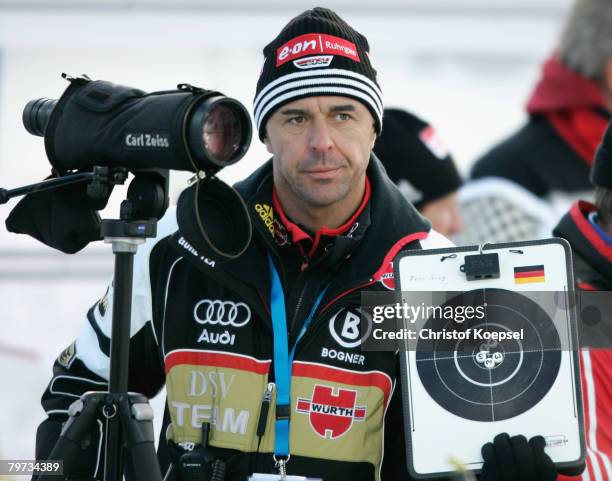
(36, 115)
(219, 133)
(222, 133)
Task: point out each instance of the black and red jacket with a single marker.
(592, 260)
(551, 154)
(202, 327)
(591, 255)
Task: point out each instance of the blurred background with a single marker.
(467, 66)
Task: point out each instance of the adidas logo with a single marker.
(267, 215)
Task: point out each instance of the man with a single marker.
(588, 228)
(547, 161)
(209, 329)
(419, 163)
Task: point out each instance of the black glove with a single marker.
(64, 218)
(515, 459)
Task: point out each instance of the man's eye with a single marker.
(343, 117)
(297, 120)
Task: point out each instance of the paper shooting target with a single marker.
(485, 379)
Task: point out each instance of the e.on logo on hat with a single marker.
(315, 44)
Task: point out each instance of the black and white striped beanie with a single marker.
(317, 53)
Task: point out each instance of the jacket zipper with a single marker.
(297, 308)
(265, 409)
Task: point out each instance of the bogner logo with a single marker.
(345, 327)
(313, 62)
(331, 414)
(267, 215)
(142, 140)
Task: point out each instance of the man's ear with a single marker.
(374, 136)
(266, 141)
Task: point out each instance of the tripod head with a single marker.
(61, 212)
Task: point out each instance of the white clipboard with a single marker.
(453, 402)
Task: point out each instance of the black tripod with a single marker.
(128, 433)
(128, 416)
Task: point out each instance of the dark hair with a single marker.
(603, 202)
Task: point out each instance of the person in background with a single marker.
(421, 166)
(544, 166)
(588, 229)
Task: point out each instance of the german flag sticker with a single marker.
(528, 274)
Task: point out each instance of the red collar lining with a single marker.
(298, 234)
(577, 212)
(384, 266)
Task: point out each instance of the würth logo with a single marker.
(387, 278)
(331, 415)
(315, 44)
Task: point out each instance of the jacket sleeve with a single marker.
(394, 465)
(395, 459)
(395, 462)
(84, 365)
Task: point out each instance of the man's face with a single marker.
(321, 147)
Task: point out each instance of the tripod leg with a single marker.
(82, 421)
(137, 426)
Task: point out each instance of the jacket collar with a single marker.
(576, 228)
(395, 223)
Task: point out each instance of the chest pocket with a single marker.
(223, 389)
(338, 413)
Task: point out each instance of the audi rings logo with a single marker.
(224, 313)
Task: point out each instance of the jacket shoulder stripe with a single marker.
(217, 359)
(396, 248)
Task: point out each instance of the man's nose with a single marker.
(320, 136)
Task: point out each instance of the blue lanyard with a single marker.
(283, 359)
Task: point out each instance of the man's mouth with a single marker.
(323, 172)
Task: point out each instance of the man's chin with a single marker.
(322, 200)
